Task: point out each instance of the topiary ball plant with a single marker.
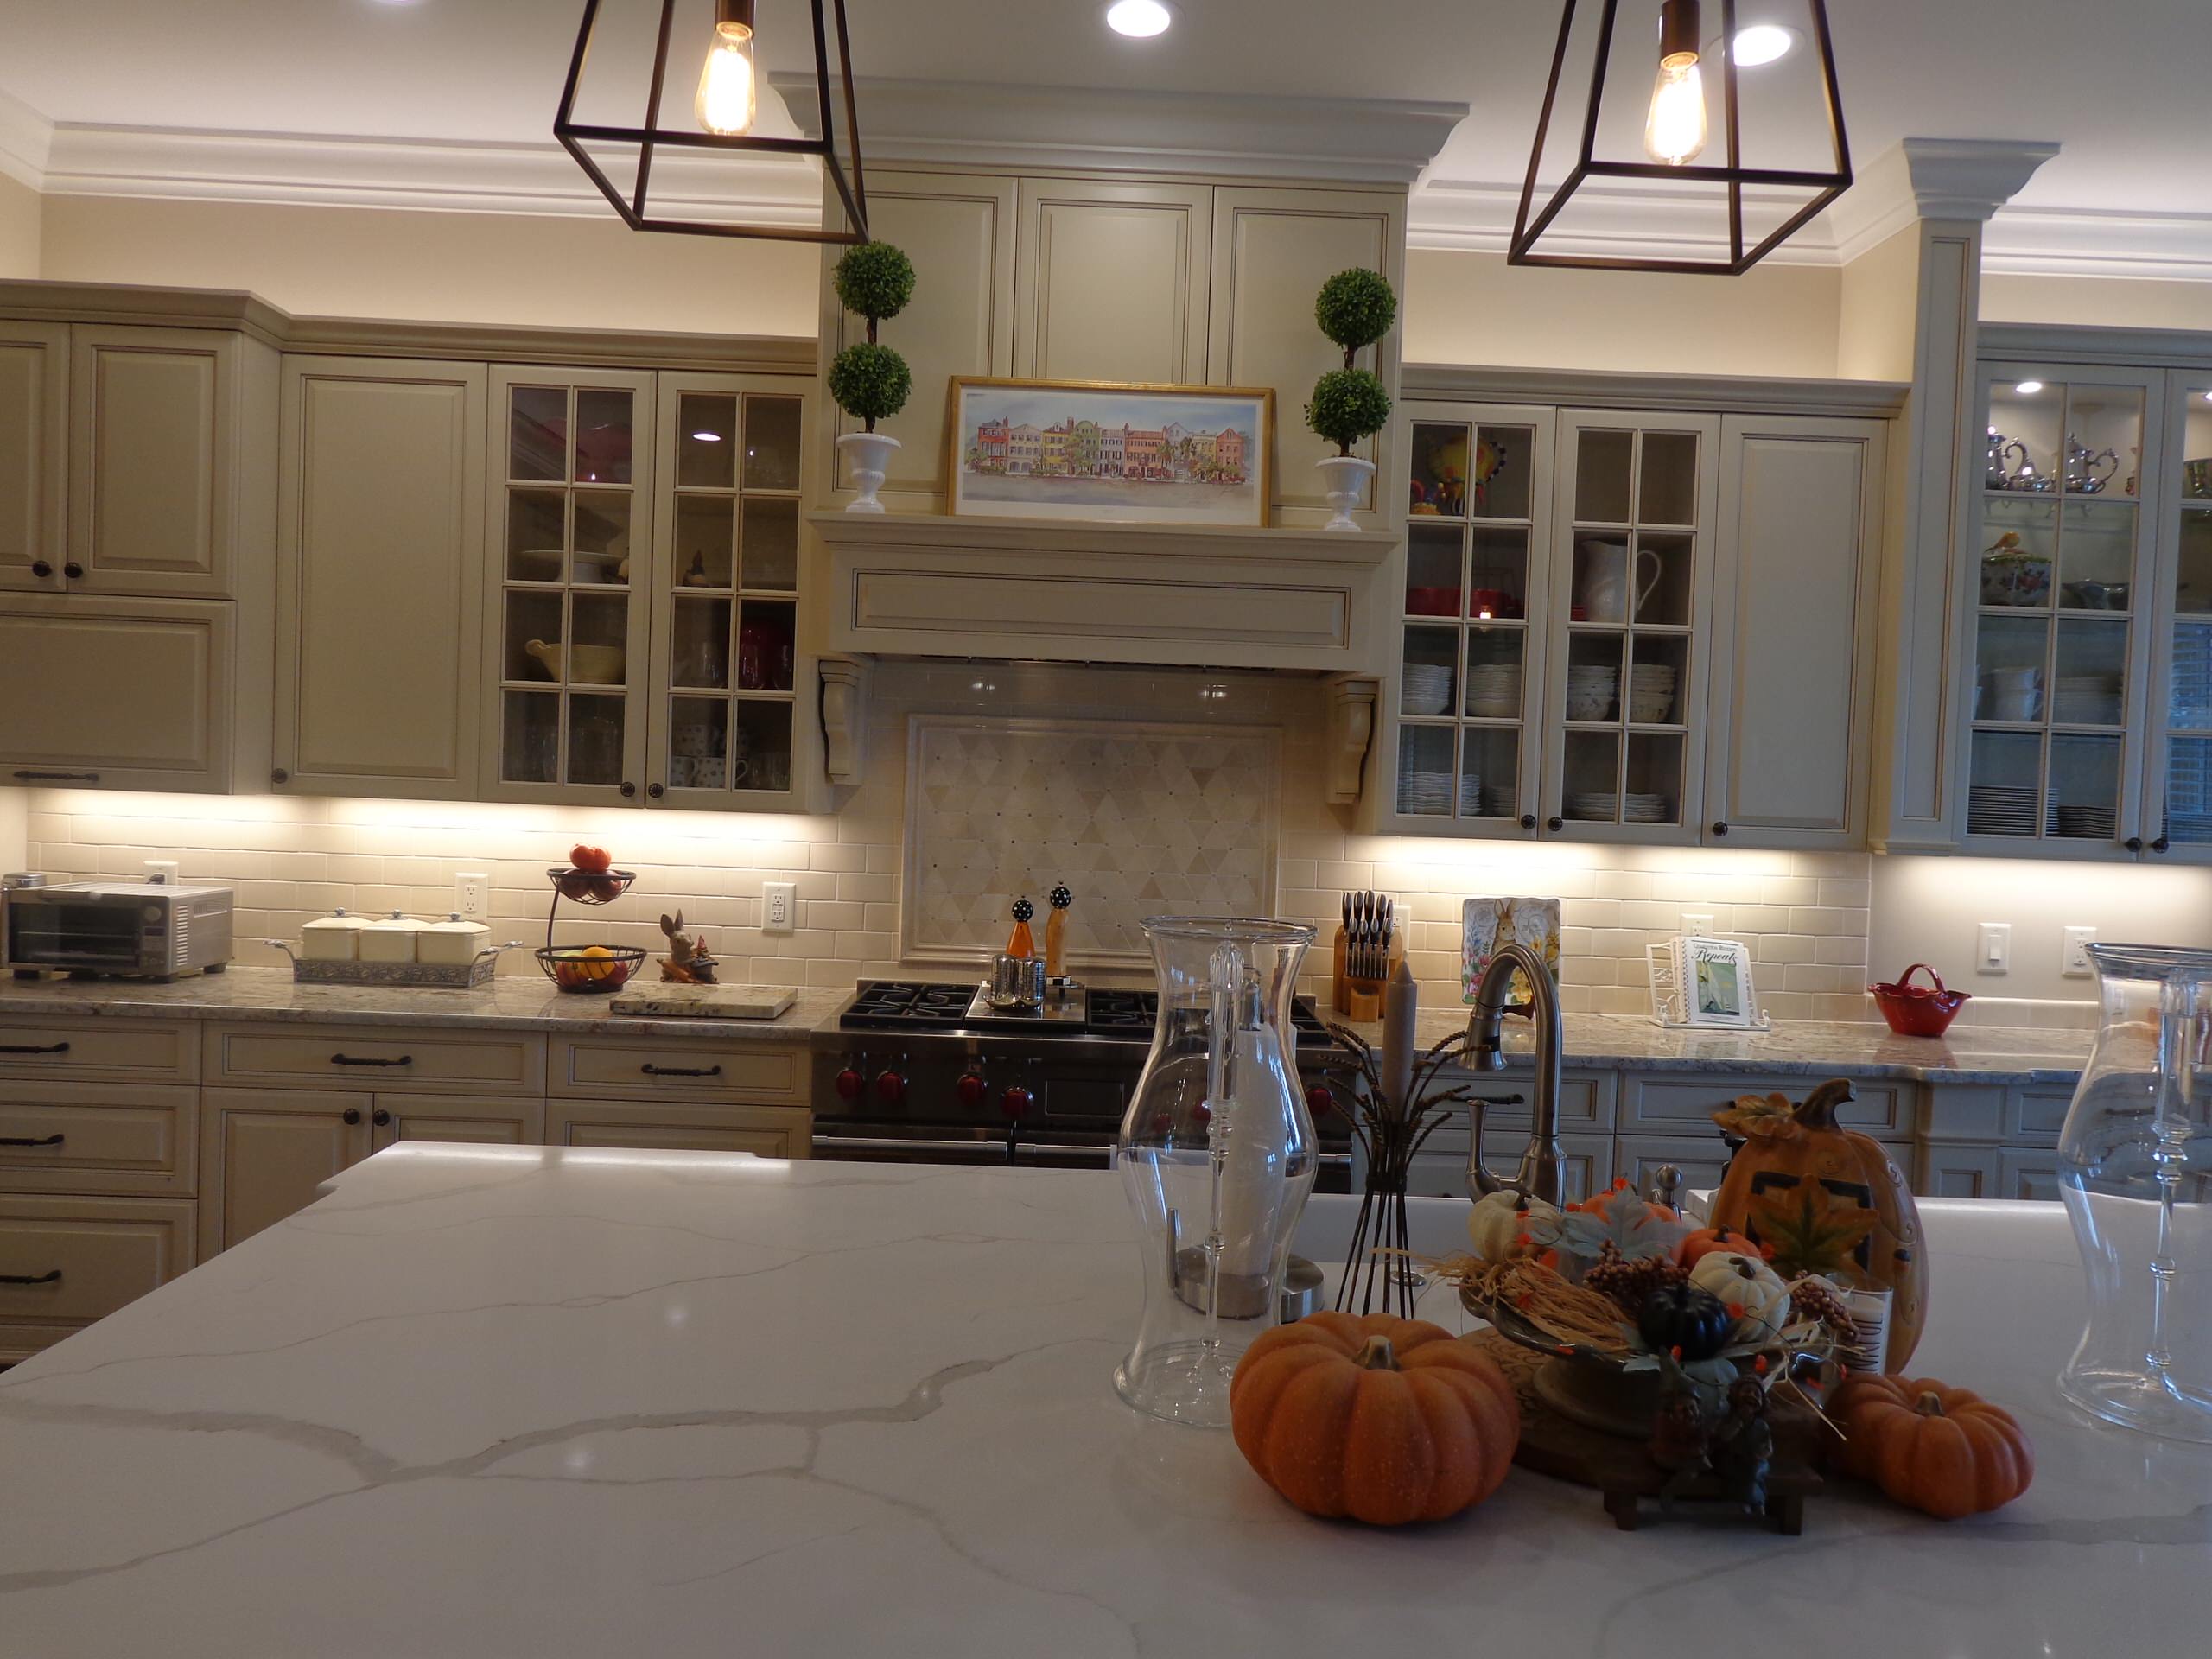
(874, 280)
(1348, 405)
(1355, 308)
(870, 382)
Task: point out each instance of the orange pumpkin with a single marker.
(1942, 1450)
(1817, 1197)
(1381, 1418)
(1706, 1240)
(1620, 1192)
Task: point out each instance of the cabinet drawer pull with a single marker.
(652, 1070)
(356, 1060)
(381, 1118)
(51, 1276)
(34, 1048)
(352, 1115)
(25, 776)
(53, 1140)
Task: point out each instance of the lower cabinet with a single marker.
(766, 1131)
(67, 1260)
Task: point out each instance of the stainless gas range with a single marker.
(913, 1074)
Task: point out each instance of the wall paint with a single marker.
(20, 207)
(1474, 307)
(1878, 310)
(558, 273)
(1928, 910)
(2109, 301)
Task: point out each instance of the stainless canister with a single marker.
(1017, 982)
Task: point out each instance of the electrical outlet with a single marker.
(1697, 925)
(472, 895)
(778, 906)
(2074, 955)
(1993, 949)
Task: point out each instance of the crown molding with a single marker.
(2094, 242)
(1955, 179)
(25, 137)
(975, 124)
(433, 175)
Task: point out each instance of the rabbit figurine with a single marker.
(688, 961)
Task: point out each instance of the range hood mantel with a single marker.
(918, 584)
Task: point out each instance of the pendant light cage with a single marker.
(1601, 184)
(837, 147)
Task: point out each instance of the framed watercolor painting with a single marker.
(1094, 450)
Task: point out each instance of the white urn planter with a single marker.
(869, 454)
(1345, 477)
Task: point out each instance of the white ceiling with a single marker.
(2121, 85)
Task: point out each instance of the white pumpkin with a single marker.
(1501, 1219)
(1746, 1282)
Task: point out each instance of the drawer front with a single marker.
(456, 1117)
(762, 1072)
(1444, 1175)
(89, 1137)
(384, 1060)
(86, 1258)
(1586, 1103)
(768, 1131)
(2027, 1174)
(1958, 1170)
(1676, 1101)
(2037, 1114)
(99, 1051)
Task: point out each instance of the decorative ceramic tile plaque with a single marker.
(1137, 819)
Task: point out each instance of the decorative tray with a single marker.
(395, 975)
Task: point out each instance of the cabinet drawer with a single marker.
(2037, 1114)
(99, 1051)
(769, 1131)
(1585, 1103)
(738, 1071)
(87, 1137)
(90, 1256)
(376, 1057)
(2027, 1174)
(1675, 1102)
(1444, 1175)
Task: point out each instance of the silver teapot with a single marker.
(2082, 476)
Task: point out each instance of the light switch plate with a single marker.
(778, 906)
(2074, 957)
(472, 895)
(1993, 949)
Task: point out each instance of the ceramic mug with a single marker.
(1602, 590)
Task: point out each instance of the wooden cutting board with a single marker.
(705, 1001)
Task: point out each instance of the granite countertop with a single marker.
(510, 1002)
(542, 1402)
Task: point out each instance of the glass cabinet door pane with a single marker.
(2190, 696)
(602, 538)
(2020, 533)
(1494, 678)
(1434, 556)
(2096, 556)
(706, 442)
(1593, 767)
(771, 438)
(1426, 771)
(1489, 783)
(1593, 676)
(698, 743)
(2188, 791)
(1667, 489)
(2010, 656)
(1657, 676)
(595, 725)
(2103, 452)
(604, 435)
(537, 534)
(771, 545)
(1653, 794)
(767, 633)
(1498, 588)
(2089, 685)
(2084, 801)
(699, 646)
(537, 433)
(1430, 671)
(1499, 470)
(2005, 789)
(534, 634)
(2026, 420)
(529, 737)
(1603, 461)
(706, 541)
(1440, 474)
(761, 757)
(2193, 586)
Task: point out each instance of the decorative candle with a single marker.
(1401, 1003)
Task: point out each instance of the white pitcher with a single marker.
(1601, 584)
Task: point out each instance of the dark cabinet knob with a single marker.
(2134, 843)
(1554, 823)
(72, 570)
(655, 791)
(1719, 827)
(41, 569)
(278, 775)
(2160, 844)
(381, 1118)
(352, 1114)
(1527, 820)
(628, 790)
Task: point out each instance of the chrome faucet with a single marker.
(1543, 1173)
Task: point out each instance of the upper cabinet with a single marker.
(380, 547)
(1651, 627)
(1111, 281)
(34, 455)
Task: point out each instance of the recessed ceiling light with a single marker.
(707, 437)
(1758, 43)
(2029, 388)
(1139, 19)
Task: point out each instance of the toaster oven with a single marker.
(143, 930)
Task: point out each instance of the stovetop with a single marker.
(942, 1009)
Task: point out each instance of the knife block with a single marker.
(1362, 999)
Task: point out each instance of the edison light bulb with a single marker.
(726, 100)
(1675, 132)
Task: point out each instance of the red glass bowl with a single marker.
(1919, 1010)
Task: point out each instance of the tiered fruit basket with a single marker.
(588, 879)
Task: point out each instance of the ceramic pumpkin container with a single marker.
(1381, 1418)
(1942, 1450)
(1746, 1282)
(1818, 1198)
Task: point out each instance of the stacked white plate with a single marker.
(1471, 795)
(2001, 810)
(2086, 700)
(2084, 822)
(1651, 694)
(1427, 689)
(1428, 793)
(1502, 801)
(1592, 689)
(1646, 808)
(1594, 806)
(1494, 691)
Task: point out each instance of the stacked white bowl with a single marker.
(1426, 793)
(1651, 694)
(1494, 691)
(1592, 689)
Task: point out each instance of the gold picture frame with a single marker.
(1069, 449)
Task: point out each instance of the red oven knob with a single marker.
(1016, 1102)
(971, 1090)
(890, 1088)
(1319, 1100)
(849, 1085)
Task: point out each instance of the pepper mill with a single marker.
(1056, 932)
(1021, 942)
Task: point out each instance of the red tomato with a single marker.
(590, 858)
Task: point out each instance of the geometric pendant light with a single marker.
(1642, 153)
(716, 92)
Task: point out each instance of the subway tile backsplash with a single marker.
(1804, 915)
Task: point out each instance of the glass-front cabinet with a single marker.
(643, 605)
(2178, 791)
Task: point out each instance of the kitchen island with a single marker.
(546, 1402)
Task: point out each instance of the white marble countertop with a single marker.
(1793, 1048)
(540, 1402)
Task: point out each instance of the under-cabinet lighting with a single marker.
(1139, 19)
